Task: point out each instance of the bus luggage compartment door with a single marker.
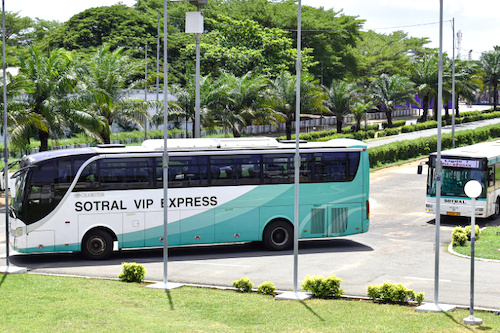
(133, 230)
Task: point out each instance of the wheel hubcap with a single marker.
(279, 236)
(96, 245)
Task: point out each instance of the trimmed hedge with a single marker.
(403, 150)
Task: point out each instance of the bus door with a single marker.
(133, 230)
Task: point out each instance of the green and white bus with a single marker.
(480, 162)
(92, 200)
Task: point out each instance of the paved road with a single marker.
(430, 132)
(399, 247)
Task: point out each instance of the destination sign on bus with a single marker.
(459, 163)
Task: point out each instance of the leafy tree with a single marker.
(15, 27)
(243, 46)
(117, 26)
(468, 80)
(339, 97)
(358, 110)
(389, 54)
(391, 91)
(326, 32)
(20, 119)
(424, 74)
(243, 98)
(50, 86)
(490, 62)
(106, 90)
(282, 97)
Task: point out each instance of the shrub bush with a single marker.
(458, 236)
(468, 230)
(395, 293)
(323, 287)
(132, 272)
(401, 150)
(266, 288)
(244, 285)
(396, 123)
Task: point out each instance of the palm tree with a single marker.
(490, 62)
(50, 86)
(424, 75)
(339, 97)
(106, 91)
(468, 81)
(390, 91)
(358, 110)
(20, 119)
(243, 96)
(281, 97)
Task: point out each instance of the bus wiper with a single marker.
(12, 212)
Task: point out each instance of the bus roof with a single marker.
(489, 150)
(248, 143)
(204, 144)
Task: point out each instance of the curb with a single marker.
(450, 249)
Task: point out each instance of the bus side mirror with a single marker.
(419, 168)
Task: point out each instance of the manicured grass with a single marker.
(35, 303)
(487, 246)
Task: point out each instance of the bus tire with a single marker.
(278, 235)
(97, 244)
(497, 207)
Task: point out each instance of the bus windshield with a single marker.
(453, 181)
(19, 189)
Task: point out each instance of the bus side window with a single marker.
(88, 178)
(491, 176)
(497, 175)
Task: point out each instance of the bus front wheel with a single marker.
(278, 236)
(97, 244)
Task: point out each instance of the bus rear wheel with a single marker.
(497, 207)
(278, 236)
(97, 245)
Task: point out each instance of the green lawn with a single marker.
(487, 246)
(35, 303)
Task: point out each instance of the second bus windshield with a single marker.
(453, 181)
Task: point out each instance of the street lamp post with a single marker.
(472, 189)
(194, 24)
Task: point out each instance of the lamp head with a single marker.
(473, 189)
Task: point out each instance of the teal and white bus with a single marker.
(479, 162)
(94, 200)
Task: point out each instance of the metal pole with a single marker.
(438, 159)
(158, 64)
(472, 250)
(297, 154)
(197, 133)
(146, 89)
(165, 150)
(453, 106)
(6, 151)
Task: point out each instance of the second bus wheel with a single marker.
(97, 244)
(278, 235)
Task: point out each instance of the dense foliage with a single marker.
(74, 75)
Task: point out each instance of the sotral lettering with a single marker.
(99, 205)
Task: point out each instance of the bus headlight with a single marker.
(19, 232)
